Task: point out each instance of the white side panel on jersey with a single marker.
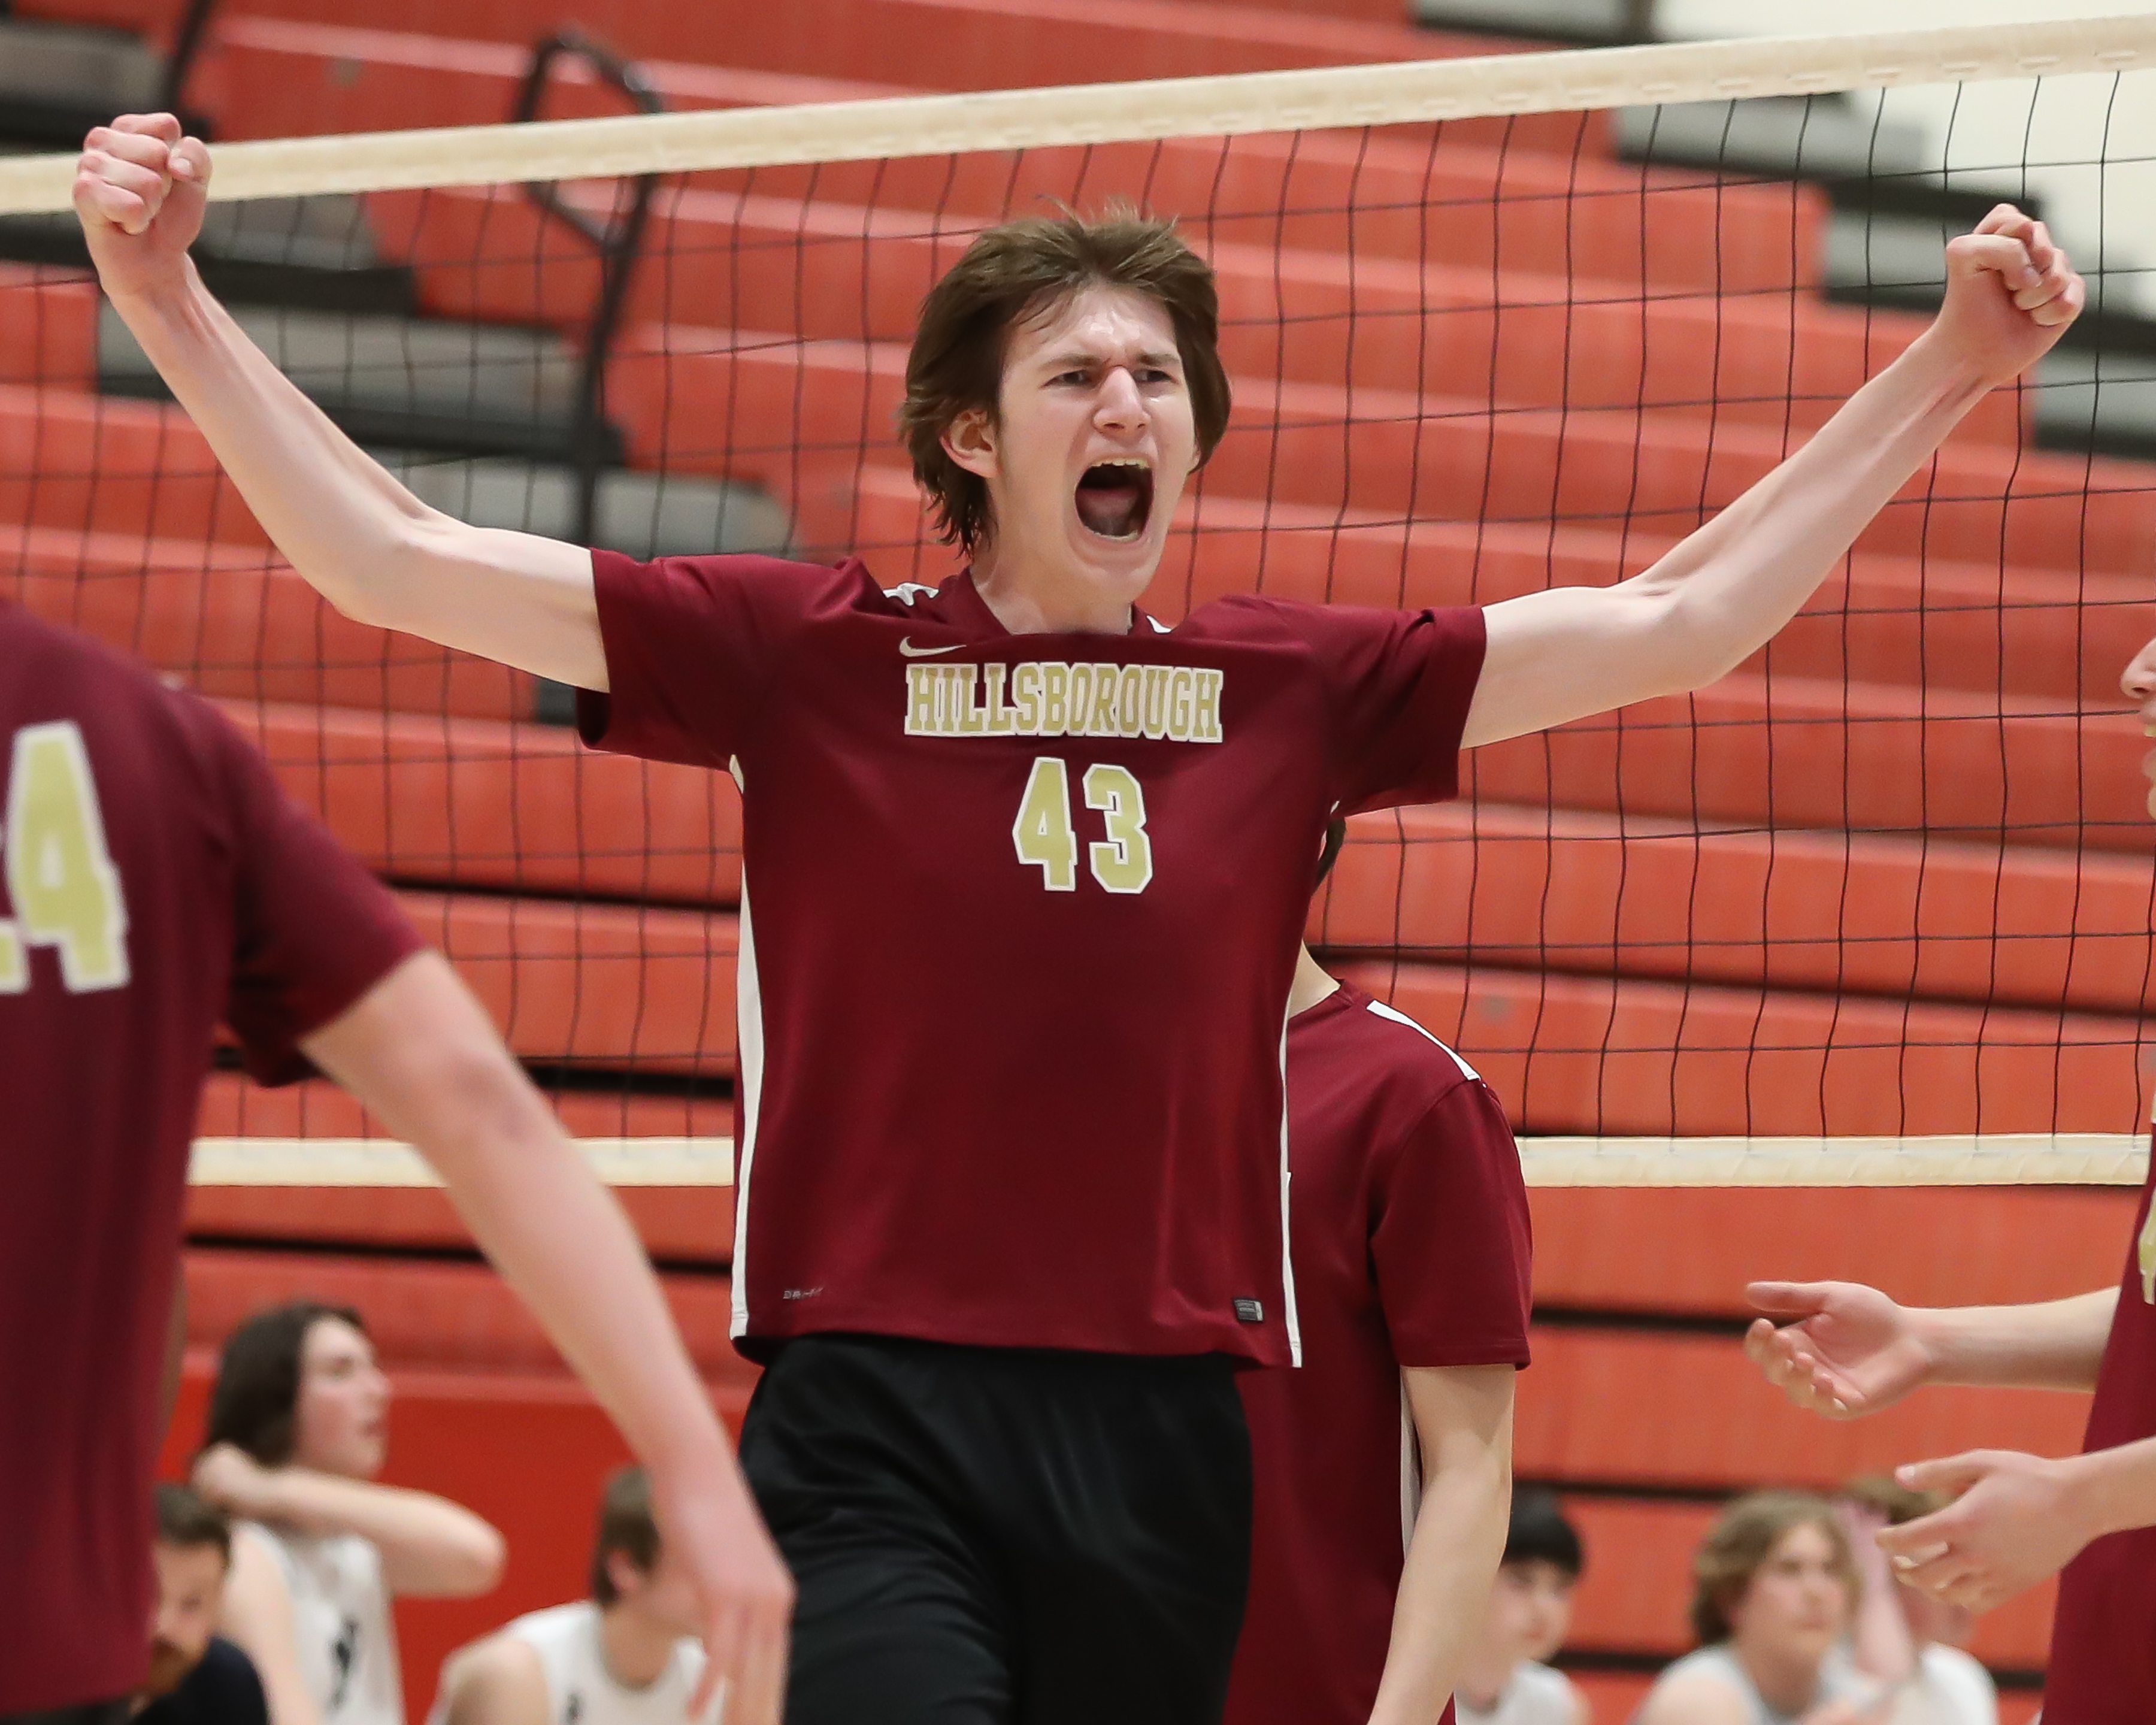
(748, 1008)
(1288, 1242)
(906, 593)
(1384, 1011)
(1410, 1470)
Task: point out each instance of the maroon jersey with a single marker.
(1411, 1248)
(1018, 917)
(156, 882)
(2103, 1641)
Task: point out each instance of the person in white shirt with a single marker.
(1774, 1588)
(625, 1657)
(299, 1429)
(1905, 1638)
(1506, 1680)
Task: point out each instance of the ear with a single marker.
(628, 1581)
(970, 440)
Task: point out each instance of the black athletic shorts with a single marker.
(1004, 1537)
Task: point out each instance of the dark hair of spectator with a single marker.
(186, 1519)
(1027, 270)
(1742, 1539)
(1541, 1534)
(255, 1402)
(1884, 1495)
(625, 1525)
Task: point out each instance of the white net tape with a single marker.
(2001, 1159)
(1227, 106)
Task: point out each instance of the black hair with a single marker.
(186, 1519)
(627, 1526)
(255, 1402)
(1541, 1534)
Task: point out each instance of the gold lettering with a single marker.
(1130, 701)
(1081, 700)
(1154, 723)
(1054, 699)
(1205, 721)
(921, 700)
(1025, 690)
(1180, 684)
(1002, 721)
(1106, 680)
(973, 721)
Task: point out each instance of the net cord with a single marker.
(1991, 1159)
(1224, 106)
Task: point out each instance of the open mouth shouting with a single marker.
(1115, 497)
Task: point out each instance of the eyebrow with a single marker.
(1064, 362)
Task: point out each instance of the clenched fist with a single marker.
(139, 187)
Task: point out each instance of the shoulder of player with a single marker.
(504, 1666)
(1406, 1049)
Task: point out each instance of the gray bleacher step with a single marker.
(2098, 403)
(57, 81)
(314, 252)
(641, 514)
(1605, 22)
(463, 388)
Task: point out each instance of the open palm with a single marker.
(1843, 1350)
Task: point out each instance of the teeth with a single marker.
(1135, 461)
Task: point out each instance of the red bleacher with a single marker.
(1814, 845)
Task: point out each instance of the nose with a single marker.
(2140, 680)
(1122, 404)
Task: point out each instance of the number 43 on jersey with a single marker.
(61, 882)
(1045, 837)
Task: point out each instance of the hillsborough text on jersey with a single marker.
(1051, 698)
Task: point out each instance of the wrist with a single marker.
(1953, 377)
(1937, 1337)
(166, 298)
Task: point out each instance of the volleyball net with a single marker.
(1876, 908)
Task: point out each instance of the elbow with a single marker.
(476, 1564)
(373, 581)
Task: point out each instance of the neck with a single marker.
(1311, 985)
(635, 1648)
(1030, 598)
(1787, 1682)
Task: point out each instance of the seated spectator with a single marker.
(1906, 1639)
(624, 1657)
(1774, 1588)
(298, 1431)
(1505, 1681)
(196, 1677)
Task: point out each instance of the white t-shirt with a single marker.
(1534, 1694)
(1837, 1682)
(580, 1689)
(348, 1639)
(1951, 1688)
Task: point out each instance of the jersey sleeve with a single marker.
(312, 930)
(691, 648)
(1399, 685)
(1451, 1247)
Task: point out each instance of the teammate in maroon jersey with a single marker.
(1383, 1468)
(156, 883)
(1027, 872)
(1845, 1350)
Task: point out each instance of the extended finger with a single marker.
(1787, 1298)
(760, 1696)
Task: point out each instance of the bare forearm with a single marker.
(428, 1545)
(2055, 1345)
(345, 523)
(2115, 1490)
(1444, 1588)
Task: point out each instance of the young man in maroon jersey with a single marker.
(1027, 871)
(1845, 1350)
(1382, 1469)
(154, 882)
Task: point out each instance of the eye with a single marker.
(1078, 377)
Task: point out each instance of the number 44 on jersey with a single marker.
(61, 884)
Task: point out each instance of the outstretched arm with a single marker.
(1846, 1350)
(421, 1054)
(365, 542)
(1463, 1420)
(1721, 594)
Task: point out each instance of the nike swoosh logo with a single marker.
(906, 646)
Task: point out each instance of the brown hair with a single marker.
(1739, 1545)
(1026, 269)
(186, 1519)
(1884, 1496)
(626, 1525)
(255, 1401)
